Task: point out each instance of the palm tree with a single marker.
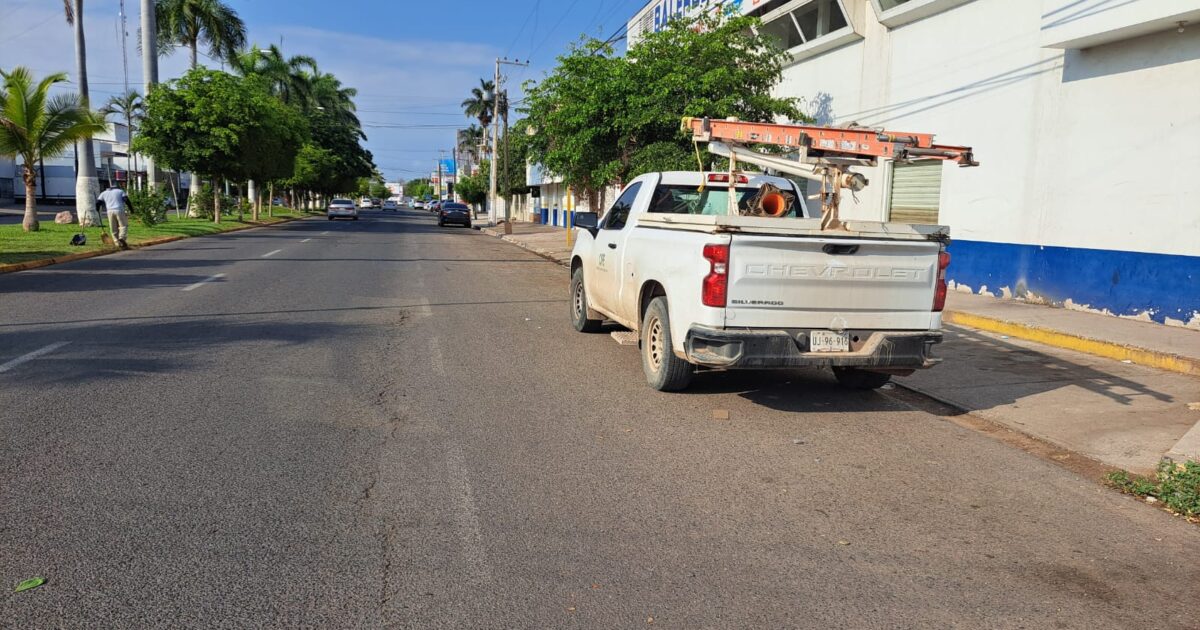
(86, 184)
(35, 125)
(329, 96)
(129, 107)
(468, 145)
(290, 79)
(190, 23)
(479, 106)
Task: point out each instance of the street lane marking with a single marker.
(32, 355)
(471, 533)
(203, 282)
(269, 254)
(306, 240)
(325, 233)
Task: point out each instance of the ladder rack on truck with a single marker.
(821, 154)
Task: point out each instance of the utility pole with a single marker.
(496, 92)
(149, 73)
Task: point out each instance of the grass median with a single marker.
(53, 240)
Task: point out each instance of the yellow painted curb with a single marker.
(1057, 339)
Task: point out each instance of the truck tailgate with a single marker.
(831, 283)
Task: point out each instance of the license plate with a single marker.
(828, 341)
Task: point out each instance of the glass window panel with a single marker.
(782, 31)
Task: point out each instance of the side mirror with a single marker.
(589, 221)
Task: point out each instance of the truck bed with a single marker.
(768, 226)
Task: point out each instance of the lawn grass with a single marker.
(54, 240)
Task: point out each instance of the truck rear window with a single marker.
(714, 199)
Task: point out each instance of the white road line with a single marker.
(467, 513)
(306, 240)
(435, 357)
(205, 281)
(325, 233)
(269, 254)
(32, 355)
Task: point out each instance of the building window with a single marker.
(806, 23)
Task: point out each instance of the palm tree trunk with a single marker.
(30, 222)
(194, 181)
(150, 74)
(271, 199)
(86, 184)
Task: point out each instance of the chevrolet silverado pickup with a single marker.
(682, 259)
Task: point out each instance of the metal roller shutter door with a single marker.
(916, 192)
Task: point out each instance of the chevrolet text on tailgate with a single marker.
(735, 270)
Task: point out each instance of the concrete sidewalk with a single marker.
(1115, 390)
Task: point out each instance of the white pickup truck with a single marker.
(704, 287)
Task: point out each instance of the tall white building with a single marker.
(1085, 115)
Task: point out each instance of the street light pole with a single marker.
(493, 199)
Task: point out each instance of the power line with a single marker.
(552, 28)
(522, 29)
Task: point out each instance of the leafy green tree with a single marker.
(220, 125)
(473, 189)
(191, 23)
(379, 189)
(419, 188)
(601, 119)
(35, 125)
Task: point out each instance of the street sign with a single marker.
(447, 166)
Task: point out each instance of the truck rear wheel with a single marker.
(664, 371)
(856, 378)
(579, 305)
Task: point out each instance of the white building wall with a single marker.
(1079, 148)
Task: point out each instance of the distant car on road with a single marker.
(341, 208)
(435, 206)
(376, 203)
(365, 202)
(451, 212)
(418, 205)
(390, 204)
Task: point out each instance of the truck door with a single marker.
(606, 274)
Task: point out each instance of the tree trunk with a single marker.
(150, 75)
(30, 222)
(194, 180)
(252, 193)
(87, 187)
(271, 199)
(216, 202)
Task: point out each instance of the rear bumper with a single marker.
(895, 351)
(342, 213)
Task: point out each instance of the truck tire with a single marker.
(856, 378)
(579, 306)
(664, 371)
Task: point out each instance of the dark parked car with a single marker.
(451, 212)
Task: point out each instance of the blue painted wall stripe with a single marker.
(1125, 283)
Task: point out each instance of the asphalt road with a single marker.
(386, 424)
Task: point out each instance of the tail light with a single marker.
(724, 177)
(939, 289)
(716, 284)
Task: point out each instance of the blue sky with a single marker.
(412, 61)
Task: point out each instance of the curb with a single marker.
(510, 238)
(1087, 345)
(46, 262)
